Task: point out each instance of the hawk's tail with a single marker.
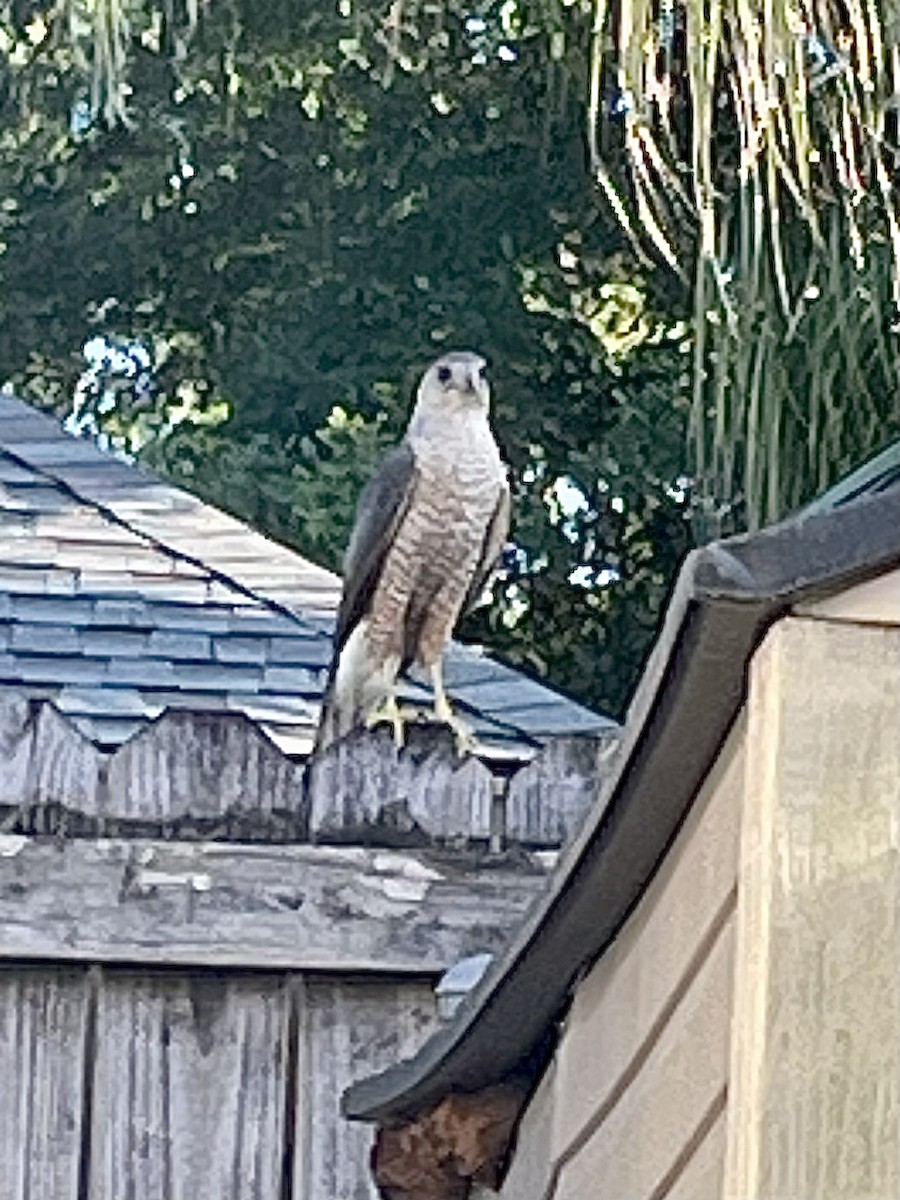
(342, 711)
(330, 726)
(356, 684)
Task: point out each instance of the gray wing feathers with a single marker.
(380, 509)
(494, 541)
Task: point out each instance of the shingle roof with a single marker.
(121, 596)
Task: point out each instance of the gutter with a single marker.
(726, 597)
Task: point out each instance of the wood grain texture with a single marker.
(352, 1029)
(218, 774)
(548, 800)
(185, 766)
(361, 785)
(202, 765)
(43, 1021)
(44, 759)
(215, 903)
(814, 1108)
(189, 1087)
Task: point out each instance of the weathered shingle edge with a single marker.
(167, 548)
(725, 598)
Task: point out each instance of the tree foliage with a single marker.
(285, 210)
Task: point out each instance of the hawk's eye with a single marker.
(444, 374)
(482, 371)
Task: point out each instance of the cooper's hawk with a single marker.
(429, 527)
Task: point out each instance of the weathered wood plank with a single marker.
(547, 800)
(43, 1022)
(203, 765)
(189, 1087)
(218, 773)
(363, 785)
(44, 759)
(351, 1030)
(217, 903)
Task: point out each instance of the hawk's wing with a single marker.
(494, 541)
(381, 507)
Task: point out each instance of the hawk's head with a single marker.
(457, 380)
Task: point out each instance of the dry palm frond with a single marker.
(777, 121)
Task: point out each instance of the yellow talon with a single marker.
(463, 736)
(391, 713)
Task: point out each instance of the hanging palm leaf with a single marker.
(760, 145)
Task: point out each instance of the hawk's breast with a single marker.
(438, 545)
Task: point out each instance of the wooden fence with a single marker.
(202, 943)
(129, 1083)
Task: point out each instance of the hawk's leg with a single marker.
(463, 736)
(391, 713)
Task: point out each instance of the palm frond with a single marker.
(760, 141)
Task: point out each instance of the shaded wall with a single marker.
(636, 1093)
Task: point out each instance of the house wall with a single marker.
(814, 1098)
(739, 1038)
(635, 1099)
(877, 602)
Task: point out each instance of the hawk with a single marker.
(429, 527)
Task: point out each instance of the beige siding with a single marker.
(637, 1090)
(875, 602)
(532, 1162)
(701, 1177)
(814, 1108)
(643, 1144)
(625, 1002)
(740, 1038)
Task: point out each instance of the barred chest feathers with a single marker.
(461, 476)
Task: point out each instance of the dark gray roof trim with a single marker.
(726, 595)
